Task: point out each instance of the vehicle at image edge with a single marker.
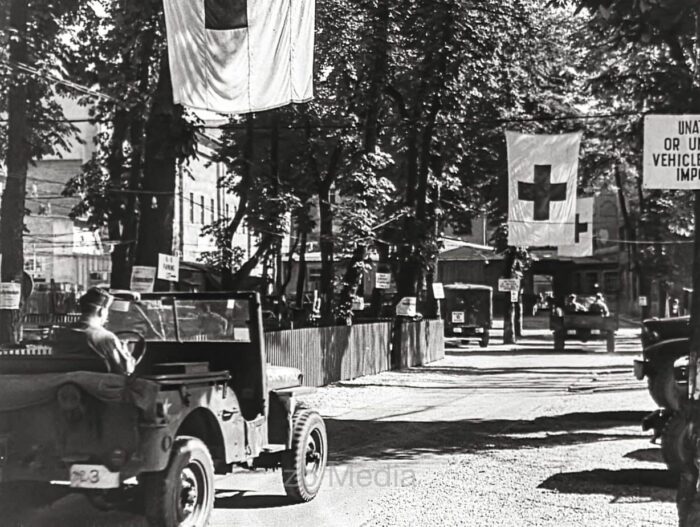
(583, 325)
(469, 311)
(664, 364)
(202, 401)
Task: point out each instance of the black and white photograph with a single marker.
(349, 263)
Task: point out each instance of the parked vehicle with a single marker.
(664, 364)
(202, 401)
(583, 326)
(469, 311)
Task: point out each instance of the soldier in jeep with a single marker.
(89, 336)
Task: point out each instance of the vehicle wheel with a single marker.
(610, 342)
(304, 464)
(559, 339)
(183, 493)
(672, 442)
(484, 342)
(663, 387)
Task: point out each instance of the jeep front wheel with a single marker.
(672, 442)
(183, 493)
(304, 464)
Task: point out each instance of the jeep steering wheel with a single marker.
(135, 342)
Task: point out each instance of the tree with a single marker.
(128, 186)
(32, 34)
(668, 29)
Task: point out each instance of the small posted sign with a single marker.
(358, 303)
(438, 291)
(10, 294)
(382, 280)
(508, 284)
(643, 301)
(513, 296)
(407, 307)
(142, 278)
(168, 267)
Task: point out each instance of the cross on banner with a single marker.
(580, 227)
(222, 15)
(542, 191)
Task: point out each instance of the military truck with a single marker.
(469, 311)
(202, 401)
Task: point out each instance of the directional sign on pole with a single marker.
(168, 267)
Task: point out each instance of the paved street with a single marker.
(512, 435)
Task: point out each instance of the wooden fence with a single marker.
(337, 353)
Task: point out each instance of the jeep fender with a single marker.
(283, 404)
(666, 350)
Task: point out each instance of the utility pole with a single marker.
(17, 162)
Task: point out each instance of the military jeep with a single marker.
(202, 401)
(665, 345)
(469, 311)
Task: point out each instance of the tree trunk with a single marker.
(13, 198)
(688, 501)
(228, 281)
(301, 272)
(326, 245)
(160, 166)
(688, 498)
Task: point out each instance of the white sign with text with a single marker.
(142, 278)
(10, 294)
(671, 152)
(168, 267)
(382, 280)
(508, 284)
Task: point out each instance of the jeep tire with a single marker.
(559, 339)
(671, 442)
(484, 342)
(304, 464)
(183, 493)
(610, 342)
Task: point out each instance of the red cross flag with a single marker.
(583, 231)
(240, 56)
(542, 188)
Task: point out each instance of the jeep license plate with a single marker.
(571, 332)
(93, 477)
(595, 332)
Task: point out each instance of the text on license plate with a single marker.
(93, 477)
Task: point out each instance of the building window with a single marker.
(201, 203)
(191, 207)
(213, 210)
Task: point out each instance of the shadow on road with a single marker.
(401, 440)
(652, 455)
(652, 484)
(239, 499)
